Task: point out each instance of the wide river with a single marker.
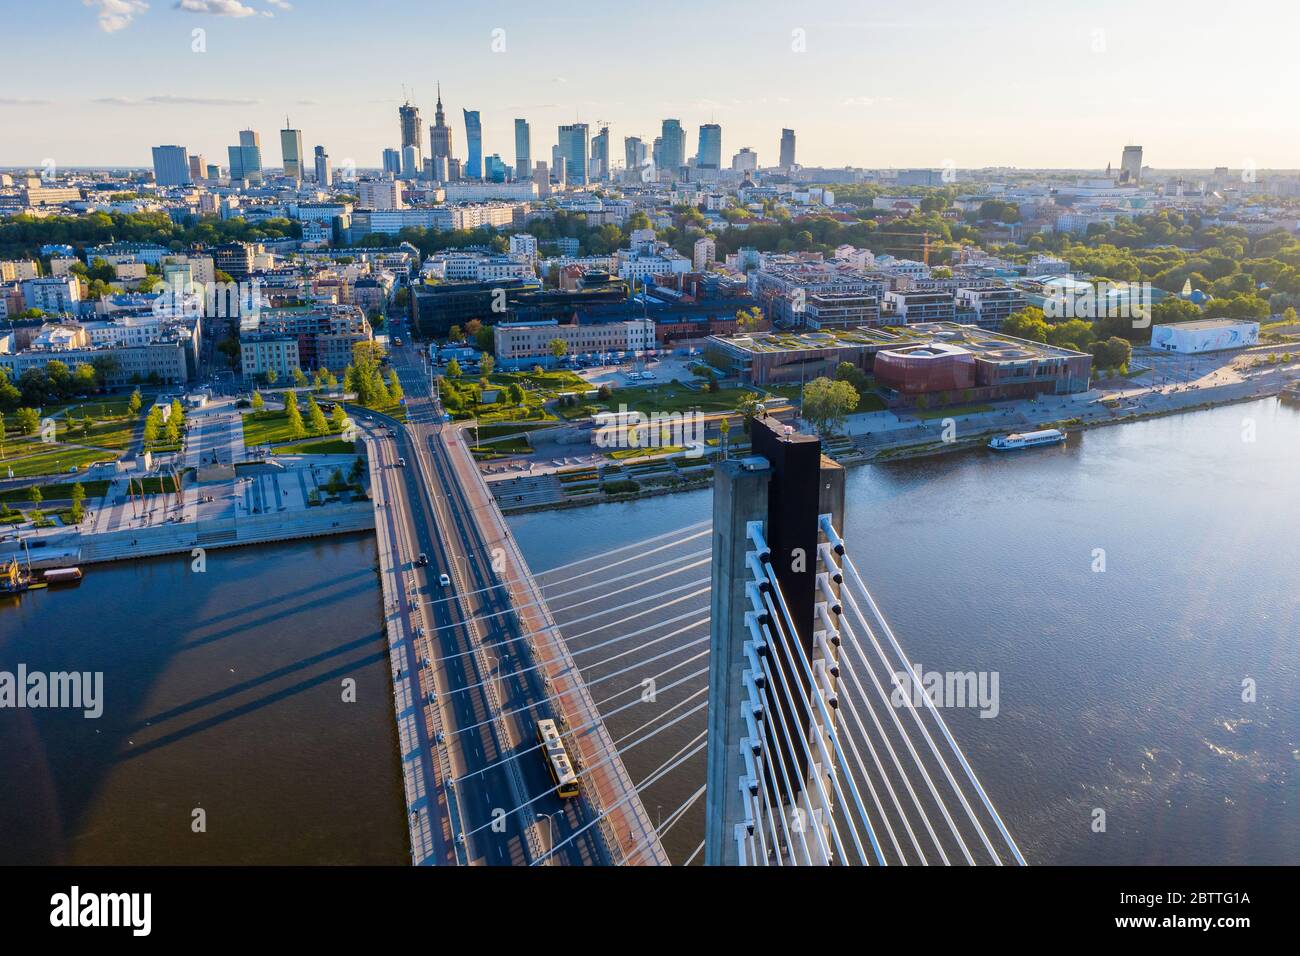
(227, 702)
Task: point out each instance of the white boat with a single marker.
(1047, 436)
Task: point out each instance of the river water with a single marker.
(1120, 689)
(223, 693)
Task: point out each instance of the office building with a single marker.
(322, 167)
(672, 147)
(1130, 166)
(246, 158)
(709, 154)
(787, 148)
(745, 161)
(573, 149)
(600, 156)
(380, 193)
(392, 162)
(635, 158)
(519, 344)
(474, 142)
(171, 166)
(197, 167)
(291, 152)
(523, 150)
(412, 126)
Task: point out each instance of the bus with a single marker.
(557, 759)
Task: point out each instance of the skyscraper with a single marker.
(322, 166)
(474, 141)
(197, 167)
(291, 151)
(1130, 166)
(246, 158)
(600, 156)
(787, 148)
(440, 142)
(393, 161)
(672, 149)
(412, 131)
(523, 150)
(745, 161)
(634, 158)
(710, 151)
(573, 148)
(171, 166)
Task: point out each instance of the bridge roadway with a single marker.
(438, 506)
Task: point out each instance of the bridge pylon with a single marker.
(770, 778)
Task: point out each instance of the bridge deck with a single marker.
(626, 825)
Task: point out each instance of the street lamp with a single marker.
(550, 833)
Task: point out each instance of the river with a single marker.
(1120, 689)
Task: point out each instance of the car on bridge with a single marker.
(422, 560)
(444, 580)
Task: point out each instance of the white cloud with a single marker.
(172, 101)
(22, 101)
(282, 4)
(114, 15)
(218, 8)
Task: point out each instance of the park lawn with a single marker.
(648, 399)
(556, 380)
(951, 411)
(112, 433)
(54, 492)
(625, 453)
(320, 446)
(272, 428)
(36, 458)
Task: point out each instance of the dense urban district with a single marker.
(603, 326)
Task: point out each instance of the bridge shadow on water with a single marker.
(223, 691)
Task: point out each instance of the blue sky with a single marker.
(1059, 83)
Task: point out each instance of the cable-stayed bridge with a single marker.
(728, 693)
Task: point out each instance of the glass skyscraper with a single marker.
(474, 137)
(673, 146)
(709, 155)
(523, 150)
(573, 148)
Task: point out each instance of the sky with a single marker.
(1060, 83)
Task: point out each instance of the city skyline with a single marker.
(849, 85)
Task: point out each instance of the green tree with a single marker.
(748, 405)
(395, 392)
(259, 403)
(453, 369)
(299, 377)
(339, 418)
(28, 421)
(827, 403)
(271, 376)
(35, 496)
(294, 416)
(316, 420)
(559, 347)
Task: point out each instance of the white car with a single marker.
(444, 580)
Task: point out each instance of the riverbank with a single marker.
(868, 448)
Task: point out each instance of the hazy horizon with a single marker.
(1001, 85)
